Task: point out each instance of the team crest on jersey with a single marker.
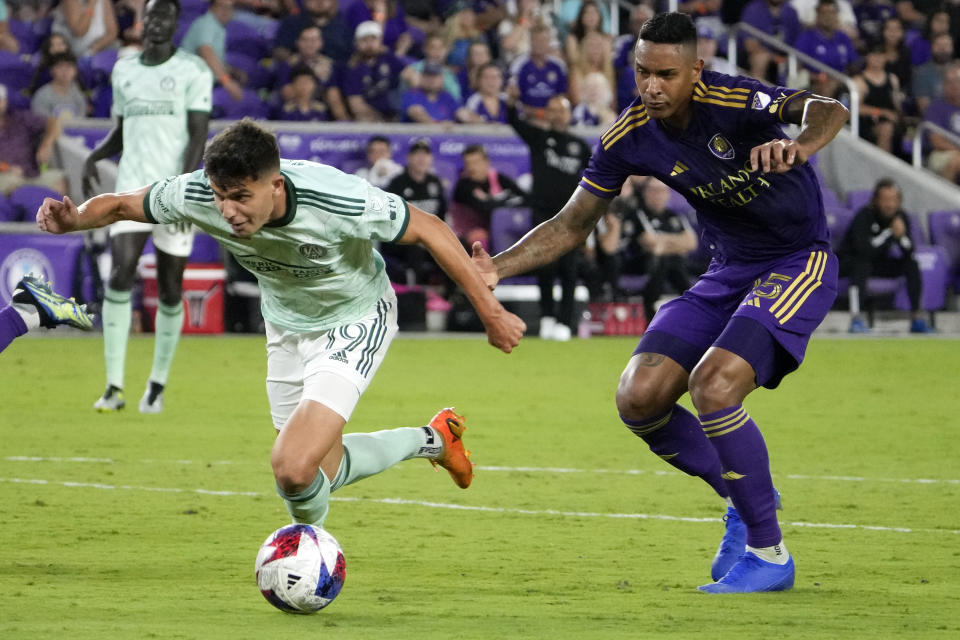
(312, 251)
(760, 101)
(168, 83)
(721, 147)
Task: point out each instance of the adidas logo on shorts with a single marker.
(340, 356)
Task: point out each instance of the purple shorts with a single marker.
(764, 313)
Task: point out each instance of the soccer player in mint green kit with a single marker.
(717, 140)
(161, 101)
(306, 230)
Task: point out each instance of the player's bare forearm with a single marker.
(56, 216)
(557, 236)
(820, 120)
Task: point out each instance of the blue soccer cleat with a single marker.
(858, 326)
(752, 575)
(919, 325)
(734, 542)
(732, 545)
(54, 309)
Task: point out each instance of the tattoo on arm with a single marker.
(651, 359)
(557, 236)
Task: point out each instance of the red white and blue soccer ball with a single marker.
(300, 568)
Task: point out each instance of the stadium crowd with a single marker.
(472, 61)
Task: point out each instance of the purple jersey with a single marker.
(785, 25)
(837, 51)
(476, 104)
(745, 216)
(376, 83)
(538, 84)
(442, 108)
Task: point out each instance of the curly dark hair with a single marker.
(670, 28)
(243, 151)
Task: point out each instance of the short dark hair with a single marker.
(475, 148)
(242, 151)
(384, 139)
(63, 56)
(885, 183)
(670, 28)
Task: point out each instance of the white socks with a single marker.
(777, 554)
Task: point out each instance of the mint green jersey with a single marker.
(317, 266)
(153, 102)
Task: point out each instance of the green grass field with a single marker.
(130, 526)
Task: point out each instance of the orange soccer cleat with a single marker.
(454, 458)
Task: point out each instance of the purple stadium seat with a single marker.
(30, 35)
(933, 263)
(858, 199)
(945, 233)
(259, 76)
(16, 99)
(28, 198)
(16, 70)
(95, 70)
(830, 199)
(205, 249)
(7, 211)
(838, 221)
(244, 38)
(102, 102)
(226, 107)
(507, 226)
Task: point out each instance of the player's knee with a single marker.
(293, 473)
(713, 388)
(638, 399)
(121, 279)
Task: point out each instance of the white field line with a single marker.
(462, 507)
(561, 470)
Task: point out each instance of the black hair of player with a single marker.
(670, 28)
(243, 151)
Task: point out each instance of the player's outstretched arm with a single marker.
(820, 120)
(62, 216)
(549, 240)
(504, 329)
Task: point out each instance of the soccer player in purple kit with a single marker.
(746, 322)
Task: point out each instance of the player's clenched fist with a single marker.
(55, 216)
(504, 329)
(777, 156)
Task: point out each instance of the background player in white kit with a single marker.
(161, 100)
(306, 230)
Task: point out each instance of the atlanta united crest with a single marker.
(721, 147)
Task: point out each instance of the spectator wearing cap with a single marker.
(707, 50)
(388, 14)
(826, 43)
(428, 103)
(421, 187)
(928, 77)
(434, 52)
(61, 97)
(488, 104)
(207, 38)
(371, 79)
(334, 30)
(302, 105)
(775, 18)
(28, 140)
(326, 73)
(538, 76)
